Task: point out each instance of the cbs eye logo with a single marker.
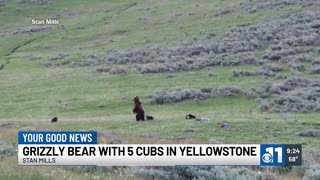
(267, 158)
(272, 154)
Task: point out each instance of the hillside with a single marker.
(254, 64)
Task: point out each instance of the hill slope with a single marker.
(87, 69)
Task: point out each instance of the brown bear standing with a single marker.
(138, 109)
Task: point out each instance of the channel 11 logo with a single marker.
(272, 155)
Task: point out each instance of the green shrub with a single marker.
(82, 169)
(312, 173)
(196, 172)
(6, 149)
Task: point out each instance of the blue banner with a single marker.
(272, 155)
(35, 137)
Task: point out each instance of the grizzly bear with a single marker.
(190, 116)
(149, 117)
(138, 109)
(54, 120)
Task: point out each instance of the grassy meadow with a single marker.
(83, 99)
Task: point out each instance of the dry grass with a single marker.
(9, 135)
(148, 139)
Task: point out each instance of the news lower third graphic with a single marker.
(82, 148)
